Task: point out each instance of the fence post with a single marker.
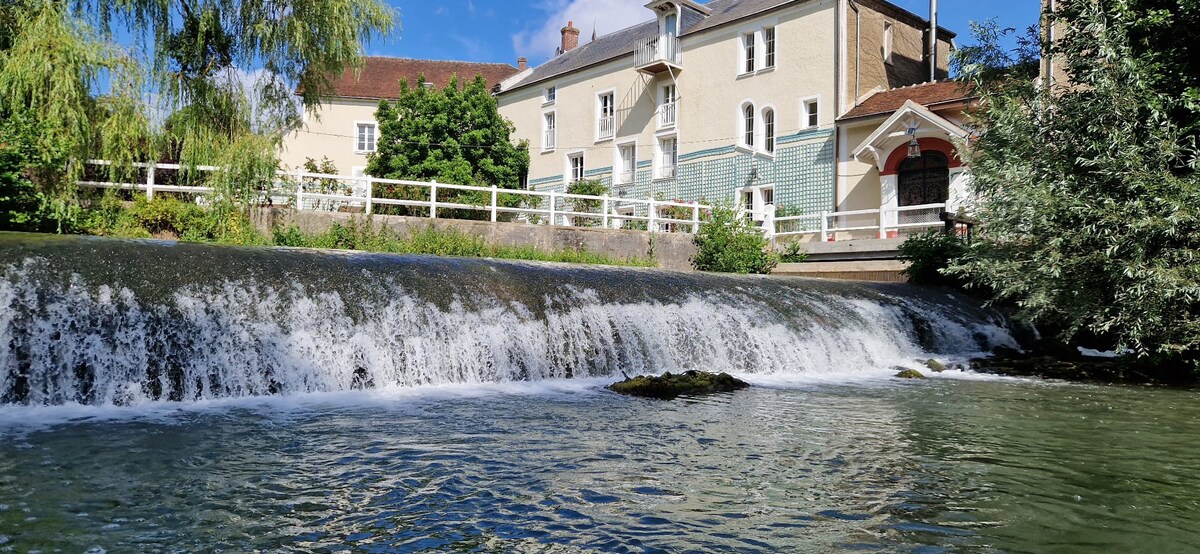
(495, 201)
(651, 225)
(150, 181)
(299, 190)
(604, 207)
(695, 217)
(433, 200)
(552, 209)
(370, 193)
(883, 223)
(824, 226)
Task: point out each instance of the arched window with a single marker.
(768, 118)
(748, 125)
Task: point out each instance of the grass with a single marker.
(168, 217)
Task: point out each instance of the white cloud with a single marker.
(540, 41)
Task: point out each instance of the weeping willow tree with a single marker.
(90, 79)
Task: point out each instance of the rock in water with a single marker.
(935, 366)
(670, 385)
(910, 374)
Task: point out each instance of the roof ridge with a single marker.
(434, 61)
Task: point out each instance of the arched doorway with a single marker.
(924, 179)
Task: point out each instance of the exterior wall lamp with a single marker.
(914, 148)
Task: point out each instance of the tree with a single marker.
(225, 69)
(1090, 192)
(730, 243)
(452, 135)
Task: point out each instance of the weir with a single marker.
(117, 322)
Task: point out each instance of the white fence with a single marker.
(658, 49)
(319, 191)
(885, 221)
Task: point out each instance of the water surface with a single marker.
(869, 464)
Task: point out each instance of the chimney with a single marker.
(522, 63)
(570, 38)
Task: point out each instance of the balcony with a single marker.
(657, 54)
(666, 115)
(606, 127)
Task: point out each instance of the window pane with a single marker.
(749, 137)
(769, 130)
(748, 43)
(769, 40)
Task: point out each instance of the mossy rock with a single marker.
(670, 385)
(910, 374)
(935, 366)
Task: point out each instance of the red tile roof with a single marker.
(380, 76)
(926, 94)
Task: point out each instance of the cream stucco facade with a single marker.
(810, 58)
(332, 131)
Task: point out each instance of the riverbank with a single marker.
(1070, 364)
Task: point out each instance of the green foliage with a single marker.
(793, 253)
(1091, 195)
(729, 243)
(166, 217)
(70, 93)
(929, 254)
(587, 187)
(453, 135)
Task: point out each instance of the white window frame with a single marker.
(569, 172)
(747, 53)
(747, 135)
(660, 156)
(374, 142)
(549, 95)
(762, 116)
(600, 117)
(770, 54)
(806, 114)
(549, 145)
(663, 106)
(758, 208)
(620, 175)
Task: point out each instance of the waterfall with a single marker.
(116, 322)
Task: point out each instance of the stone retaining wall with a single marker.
(671, 250)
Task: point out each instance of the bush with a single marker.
(730, 243)
(929, 254)
(793, 253)
(586, 187)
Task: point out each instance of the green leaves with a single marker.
(1090, 197)
(453, 135)
(728, 242)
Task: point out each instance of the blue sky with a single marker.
(502, 30)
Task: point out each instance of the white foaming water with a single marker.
(78, 339)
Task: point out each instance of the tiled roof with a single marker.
(926, 94)
(380, 76)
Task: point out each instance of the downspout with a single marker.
(840, 85)
(857, 51)
(933, 40)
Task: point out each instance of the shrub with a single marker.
(793, 253)
(587, 187)
(730, 243)
(929, 254)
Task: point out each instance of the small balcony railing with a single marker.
(607, 127)
(659, 50)
(625, 177)
(666, 172)
(548, 140)
(666, 115)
